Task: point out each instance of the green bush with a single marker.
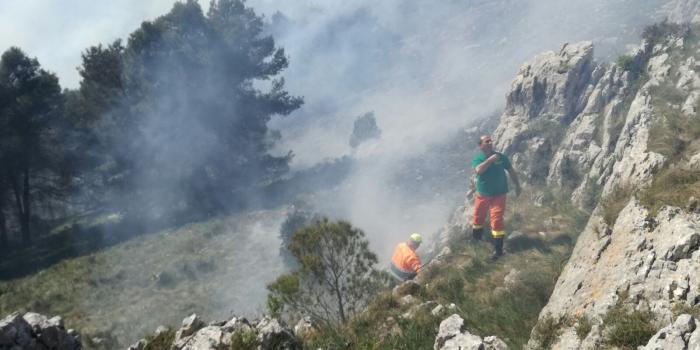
(546, 331)
(614, 203)
(626, 62)
(671, 186)
(583, 327)
(244, 340)
(658, 32)
(628, 330)
(162, 341)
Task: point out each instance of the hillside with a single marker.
(115, 296)
(603, 248)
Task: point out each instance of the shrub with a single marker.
(614, 203)
(658, 32)
(160, 341)
(626, 62)
(336, 277)
(583, 327)
(671, 131)
(546, 331)
(672, 186)
(628, 330)
(244, 340)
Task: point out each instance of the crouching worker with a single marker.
(405, 263)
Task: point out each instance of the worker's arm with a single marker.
(485, 164)
(514, 178)
(414, 263)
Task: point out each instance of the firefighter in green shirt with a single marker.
(490, 168)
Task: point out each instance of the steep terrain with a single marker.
(626, 134)
(610, 157)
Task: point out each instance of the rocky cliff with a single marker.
(605, 132)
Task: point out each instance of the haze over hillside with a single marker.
(425, 72)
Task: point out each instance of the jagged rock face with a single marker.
(573, 124)
(33, 331)
(680, 11)
(267, 334)
(453, 335)
(544, 98)
(683, 334)
(654, 263)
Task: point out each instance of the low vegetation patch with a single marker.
(671, 131)
(672, 186)
(161, 341)
(244, 340)
(583, 327)
(614, 203)
(628, 329)
(546, 331)
(683, 308)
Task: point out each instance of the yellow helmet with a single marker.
(416, 237)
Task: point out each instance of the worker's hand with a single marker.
(494, 157)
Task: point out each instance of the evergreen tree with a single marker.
(30, 105)
(179, 123)
(335, 278)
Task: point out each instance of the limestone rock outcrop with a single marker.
(453, 335)
(194, 334)
(33, 331)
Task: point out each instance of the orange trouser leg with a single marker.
(481, 208)
(498, 207)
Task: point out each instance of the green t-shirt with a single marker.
(492, 181)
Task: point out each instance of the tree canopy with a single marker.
(170, 123)
(335, 278)
(180, 107)
(30, 104)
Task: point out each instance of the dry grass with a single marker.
(124, 292)
(613, 204)
(672, 186)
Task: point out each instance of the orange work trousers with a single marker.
(497, 206)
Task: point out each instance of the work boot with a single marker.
(477, 233)
(497, 248)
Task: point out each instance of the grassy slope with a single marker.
(476, 286)
(126, 291)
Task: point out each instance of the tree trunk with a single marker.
(26, 235)
(3, 220)
(21, 205)
(339, 296)
(3, 226)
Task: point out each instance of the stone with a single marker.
(693, 204)
(684, 248)
(273, 335)
(15, 331)
(406, 288)
(190, 325)
(464, 341)
(304, 328)
(449, 328)
(207, 338)
(407, 300)
(49, 332)
(673, 336)
(139, 345)
(494, 343)
(438, 310)
(236, 324)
